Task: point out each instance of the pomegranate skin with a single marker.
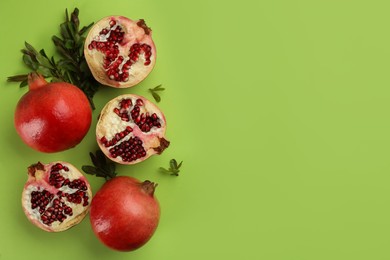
(124, 215)
(52, 117)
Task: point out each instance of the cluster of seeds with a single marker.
(144, 121)
(53, 207)
(116, 66)
(118, 136)
(129, 150)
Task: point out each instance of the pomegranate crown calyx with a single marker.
(141, 23)
(36, 171)
(35, 80)
(149, 187)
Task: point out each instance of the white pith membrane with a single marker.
(110, 124)
(140, 67)
(38, 181)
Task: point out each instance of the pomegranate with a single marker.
(125, 213)
(119, 51)
(52, 117)
(56, 196)
(130, 129)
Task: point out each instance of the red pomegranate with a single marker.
(124, 213)
(56, 196)
(131, 129)
(52, 117)
(119, 51)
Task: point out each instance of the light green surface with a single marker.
(279, 109)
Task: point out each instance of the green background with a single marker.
(279, 110)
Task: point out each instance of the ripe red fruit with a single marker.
(131, 129)
(52, 117)
(119, 51)
(56, 196)
(125, 213)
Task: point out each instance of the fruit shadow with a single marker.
(92, 244)
(19, 148)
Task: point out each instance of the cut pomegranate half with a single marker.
(56, 196)
(119, 51)
(131, 129)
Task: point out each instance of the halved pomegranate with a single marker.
(131, 129)
(119, 51)
(56, 196)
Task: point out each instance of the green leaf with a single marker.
(159, 88)
(64, 30)
(44, 71)
(173, 164)
(69, 44)
(154, 93)
(23, 84)
(57, 41)
(102, 167)
(85, 28)
(44, 61)
(17, 78)
(66, 15)
(156, 97)
(30, 48)
(29, 62)
(178, 167)
(173, 169)
(89, 169)
(164, 170)
(75, 18)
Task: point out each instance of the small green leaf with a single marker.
(29, 62)
(17, 78)
(85, 28)
(69, 44)
(154, 93)
(23, 84)
(178, 167)
(102, 167)
(30, 48)
(173, 164)
(75, 18)
(159, 88)
(44, 71)
(44, 61)
(173, 169)
(89, 169)
(156, 97)
(164, 170)
(64, 30)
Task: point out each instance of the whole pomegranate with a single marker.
(52, 117)
(56, 196)
(125, 213)
(130, 129)
(119, 51)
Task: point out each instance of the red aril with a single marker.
(52, 117)
(119, 51)
(131, 129)
(56, 196)
(125, 213)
